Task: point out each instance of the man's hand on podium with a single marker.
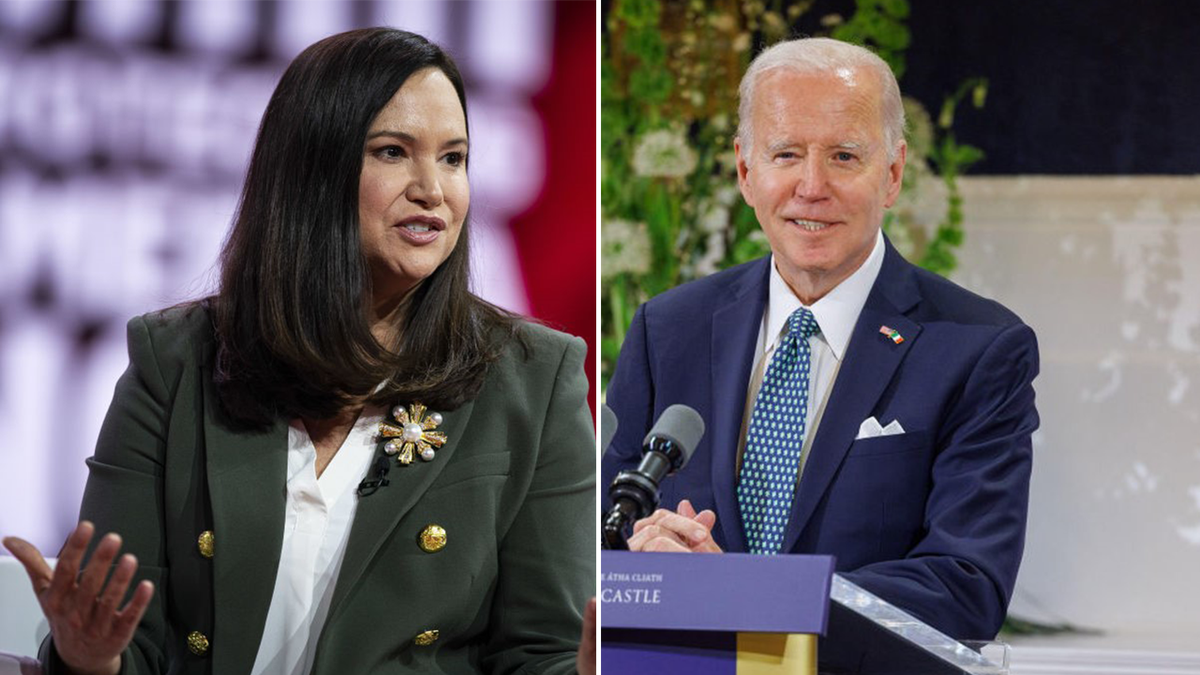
(679, 531)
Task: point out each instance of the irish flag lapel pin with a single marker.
(891, 334)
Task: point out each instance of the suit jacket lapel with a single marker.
(378, 514)
(247, 475)
(870, 362)
(735, 328)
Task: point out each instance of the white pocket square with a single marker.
(870, 429)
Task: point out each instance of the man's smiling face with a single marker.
(817, 172)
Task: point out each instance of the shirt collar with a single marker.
(836, 312)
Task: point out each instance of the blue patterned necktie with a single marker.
(776, 436)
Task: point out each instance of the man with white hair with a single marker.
(856, 405)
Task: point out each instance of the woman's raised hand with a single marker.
(585, 658)
(89, 627)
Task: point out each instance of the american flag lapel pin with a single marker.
(891, 334)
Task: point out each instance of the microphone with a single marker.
(666, 449)
(608, 426)
(368, 486)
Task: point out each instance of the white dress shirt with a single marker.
(836, 313)
(319, 513)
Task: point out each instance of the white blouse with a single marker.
(319, 513)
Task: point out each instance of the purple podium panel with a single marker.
(680, 613)
(715, 592)
(626, 651)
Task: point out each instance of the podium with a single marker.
(740, 614)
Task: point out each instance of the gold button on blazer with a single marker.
(514, 484)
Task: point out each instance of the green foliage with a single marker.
(951, 159)
(879, 25)
(1017, 626)
(637, 14)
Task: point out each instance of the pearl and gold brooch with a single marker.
(413, 431)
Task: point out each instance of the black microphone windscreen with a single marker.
(683, 425)
(608, 427)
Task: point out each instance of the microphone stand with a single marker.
(635, 493)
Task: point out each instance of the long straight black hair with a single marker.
(292, 313)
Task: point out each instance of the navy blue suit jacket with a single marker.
(932, 520)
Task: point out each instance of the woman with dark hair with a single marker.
(344, 461)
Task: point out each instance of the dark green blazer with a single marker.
(513, 487)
